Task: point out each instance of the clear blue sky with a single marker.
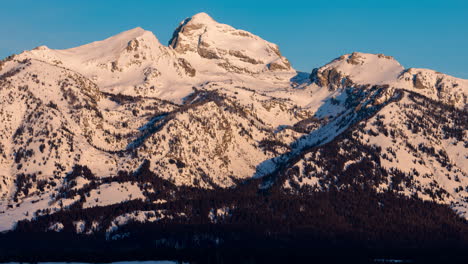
(430, 34)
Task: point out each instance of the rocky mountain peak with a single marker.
(225, 48)
(362, 69)
(357, 69)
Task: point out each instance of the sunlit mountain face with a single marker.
(215, 141)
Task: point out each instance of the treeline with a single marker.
(356, 217)
(345, 220)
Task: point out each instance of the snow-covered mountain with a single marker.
(358, 69)
(217, 108)
(219, 48)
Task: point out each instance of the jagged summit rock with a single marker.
(222, 46)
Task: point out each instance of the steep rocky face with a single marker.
(331, 78)
(222, 46)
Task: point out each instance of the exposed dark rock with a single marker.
(355, 59)
(189, 70)
(418, 81)
(207, 53)
(244, 57)
(133, 45)
(276, 67)
(174, 41)
(380, 55)
(184, 28)
(331, 78)
(114, 66)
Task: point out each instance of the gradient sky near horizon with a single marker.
(425, 34)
